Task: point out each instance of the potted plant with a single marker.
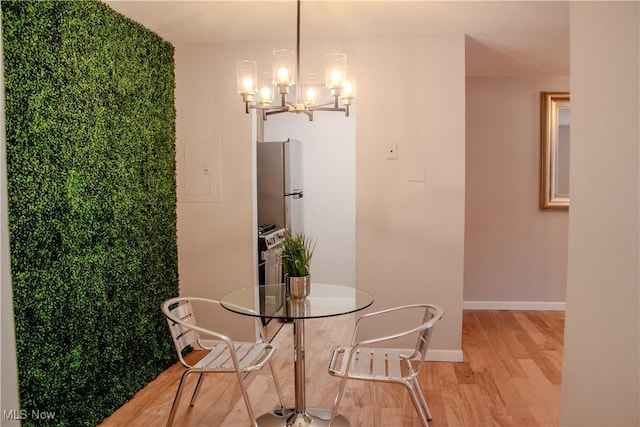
(295, 255)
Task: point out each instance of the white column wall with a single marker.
(410, 233)
(216, 235)
(10, 400)
(601, 377)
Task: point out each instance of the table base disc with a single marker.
(311, 418)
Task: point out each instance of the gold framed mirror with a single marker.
(555, 126)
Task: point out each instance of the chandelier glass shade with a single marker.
(269, 92)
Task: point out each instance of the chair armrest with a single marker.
(364, 318)
(206, 333)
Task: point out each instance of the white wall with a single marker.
(409, 235)
(329, 169)
(515, 254)
(216, 229)
(601, 378)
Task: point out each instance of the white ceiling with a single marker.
(504, 38)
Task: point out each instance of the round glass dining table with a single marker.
(273, 302)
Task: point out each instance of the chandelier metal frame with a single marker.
(343, 92)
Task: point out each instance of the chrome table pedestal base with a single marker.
(300, 416)
(244, 301)
(312, 417)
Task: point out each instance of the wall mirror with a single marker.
(554, 150)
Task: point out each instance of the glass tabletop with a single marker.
(271, 301)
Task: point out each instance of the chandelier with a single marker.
(258, 89)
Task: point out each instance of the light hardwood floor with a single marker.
(510, 377)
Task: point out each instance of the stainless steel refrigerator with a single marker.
(280, 206)
(280, 186)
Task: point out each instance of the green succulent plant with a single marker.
(295, 254)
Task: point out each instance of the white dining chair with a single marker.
(223, 356)
(372, 360)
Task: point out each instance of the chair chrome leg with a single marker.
(338, 399)
(196, 390)
(416, 402)
(245, 396)
(277, 384)
(176, 399)
(416, 385)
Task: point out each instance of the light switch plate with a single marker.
(392, 151)
(416, 172)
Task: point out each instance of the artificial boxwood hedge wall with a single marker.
(90, 125)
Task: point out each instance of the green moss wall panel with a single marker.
(90, 123)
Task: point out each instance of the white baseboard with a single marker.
(435, 355)
(514, 305)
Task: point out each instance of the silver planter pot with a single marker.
(299, 287)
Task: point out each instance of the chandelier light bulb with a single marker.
(246, 80)
(312, 97)
(283, 75)
(336, 64)
(348, 86)
(283, 68)
(347, 89)
(265, 96)
(266, 89)
(247, 85)
(336, 78)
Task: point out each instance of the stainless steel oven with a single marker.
(269, 272)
